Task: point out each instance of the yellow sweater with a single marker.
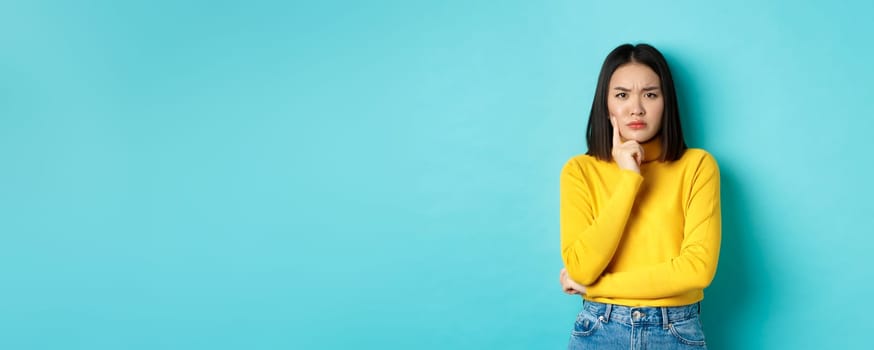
(649, 239)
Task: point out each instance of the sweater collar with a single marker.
(652, 149)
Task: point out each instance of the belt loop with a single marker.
(699, 307)
(607, 313)
(664, 317)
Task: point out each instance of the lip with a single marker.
(636, 125)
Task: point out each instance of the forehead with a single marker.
(632, 74)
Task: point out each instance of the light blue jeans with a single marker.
(608, 326)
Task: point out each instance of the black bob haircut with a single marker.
(599, 133)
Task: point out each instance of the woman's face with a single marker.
(635, 100)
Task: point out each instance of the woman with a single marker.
(640, 215)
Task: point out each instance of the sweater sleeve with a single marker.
(589, 242)
(695, 266)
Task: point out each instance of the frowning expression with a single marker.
(635, 100)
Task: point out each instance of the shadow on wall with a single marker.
(740, 283)
(730, 297)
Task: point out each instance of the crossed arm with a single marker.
(588, 244)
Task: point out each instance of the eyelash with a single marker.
(650, 95)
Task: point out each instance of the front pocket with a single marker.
(586, 324)
(688, 332)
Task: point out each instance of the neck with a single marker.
(652, 149)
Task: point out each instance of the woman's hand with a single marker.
(568, 285)
(629, 154)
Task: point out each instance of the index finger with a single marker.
(616, 140)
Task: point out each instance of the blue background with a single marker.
(384, 174)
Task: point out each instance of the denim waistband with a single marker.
(642, 315)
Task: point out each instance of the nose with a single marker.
(637, 108)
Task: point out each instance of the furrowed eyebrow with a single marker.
(648, 88)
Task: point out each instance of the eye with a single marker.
(621, 95)
(651, 95)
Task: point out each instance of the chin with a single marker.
(642, 137)
(642, 140)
